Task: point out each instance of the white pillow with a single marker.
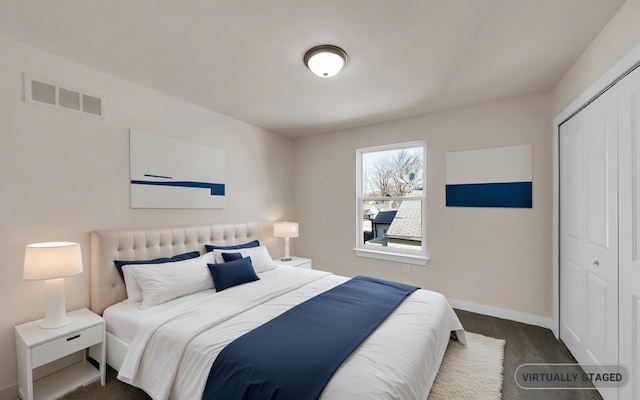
(167, 281)
(134, 291)
(260, 257)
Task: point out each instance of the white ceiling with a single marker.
(243, 58)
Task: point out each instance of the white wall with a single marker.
(494, 257)
(615, 40)
(63, 175)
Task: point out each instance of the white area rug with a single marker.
(471, 372)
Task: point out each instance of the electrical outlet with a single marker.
(406, 268)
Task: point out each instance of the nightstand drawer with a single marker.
(55, 349)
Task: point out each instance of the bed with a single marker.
(167, 349)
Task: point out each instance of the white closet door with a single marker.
(629, 155)
(572, 235)
(589, 234)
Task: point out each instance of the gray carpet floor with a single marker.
(525, 344)
(113, 390)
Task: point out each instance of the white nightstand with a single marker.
(295, 262)
(37, 347)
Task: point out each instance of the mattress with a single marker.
(173, 345)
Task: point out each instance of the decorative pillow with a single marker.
(211, 247)
(179, 257)
(167, 281)
(260, 257)
(231, 256)
(232, 273)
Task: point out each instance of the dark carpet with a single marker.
(526, 344)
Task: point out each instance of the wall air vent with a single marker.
(41, 91)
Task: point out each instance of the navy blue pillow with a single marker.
(211, 247)
(232, 273)
(231, 256)
(162, 260)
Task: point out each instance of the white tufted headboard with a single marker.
(107, 287)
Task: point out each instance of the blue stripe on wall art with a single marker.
(509, 194)
(216, 189)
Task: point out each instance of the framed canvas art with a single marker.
(497, 177)
(172, 173)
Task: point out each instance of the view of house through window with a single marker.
(391, 198)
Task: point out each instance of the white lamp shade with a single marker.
(285, 229)
(52, 260)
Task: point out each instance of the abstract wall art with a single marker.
(497, 177)
(171, 173)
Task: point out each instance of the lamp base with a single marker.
(55, 312)
(286, 259)
(54, 324)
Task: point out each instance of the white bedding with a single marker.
(172, 346)
(124, 319)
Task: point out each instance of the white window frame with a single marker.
(400, 255)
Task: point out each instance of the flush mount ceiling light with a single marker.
(326, 60)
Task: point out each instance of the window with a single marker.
(391, 203)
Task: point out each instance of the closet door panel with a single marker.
(601, 249)
(589, 233)
(597, 196)
(629, 155)
(629, 346)
(596, 337)
(572, 234)
(573, 300)
(571, 184)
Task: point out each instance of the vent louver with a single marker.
(69, 99)
(40, 91)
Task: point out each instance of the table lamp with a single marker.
(52, 261)
(285, 230)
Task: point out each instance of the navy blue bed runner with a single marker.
(293, 356)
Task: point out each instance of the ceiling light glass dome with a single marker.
(325, 61)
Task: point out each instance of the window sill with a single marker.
(395, 257)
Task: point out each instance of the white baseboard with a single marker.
(9, 392)
(502, 313)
